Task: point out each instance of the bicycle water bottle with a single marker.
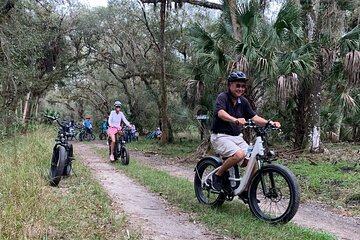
(249, 150)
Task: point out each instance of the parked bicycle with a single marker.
(62, 157)
(120, 150)
(85, 135)
(103, 134)
(70, 131)
(273, 192)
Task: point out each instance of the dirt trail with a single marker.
(147, 213)
(308, 215)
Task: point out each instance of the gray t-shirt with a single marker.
(242, 109)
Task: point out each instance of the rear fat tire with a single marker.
(57, 166)
(290, 184)
(219, 198)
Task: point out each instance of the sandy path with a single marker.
(146, 212)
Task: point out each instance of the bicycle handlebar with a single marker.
(55, 119)
(251, 124)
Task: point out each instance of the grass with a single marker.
(176, 149)
(31, 209)
(233, 219)
(335, 185)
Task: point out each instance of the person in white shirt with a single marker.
(115, 119)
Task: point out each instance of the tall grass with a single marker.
(31, 209)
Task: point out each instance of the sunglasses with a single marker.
(238, 85)
(117, 107)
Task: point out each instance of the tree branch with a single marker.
(204, 4)
(9, 4)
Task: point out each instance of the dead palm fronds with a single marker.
(287, 87)
(195, 89)
(347, 101)
(352, 67)
(241, 64)
(328, 58)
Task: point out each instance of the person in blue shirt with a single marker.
(87, 124)
(158, 133)
(105, 125)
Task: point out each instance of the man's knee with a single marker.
(239, 155)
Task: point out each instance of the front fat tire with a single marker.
(57, 167)
(125, 157)
(286, 189)
(205, 195)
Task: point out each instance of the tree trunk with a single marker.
(234, 23)
(165, 136)
(300, 138)
(26, 108)
(314, 122)
(37, 108)
(338, 124)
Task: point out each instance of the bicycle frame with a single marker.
(257, 151)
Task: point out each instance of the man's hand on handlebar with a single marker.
(273, 124)
(240, 121)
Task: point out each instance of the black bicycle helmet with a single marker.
(237, 76)
(117, 104)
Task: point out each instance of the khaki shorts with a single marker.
(227, 145)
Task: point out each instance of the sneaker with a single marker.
(216, 182)
(112, 157)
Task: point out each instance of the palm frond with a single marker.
(287, 87)
(249, 15)
(348, 103)
(201, 40)
(328, 57)
(288, 22)
(195, 89)
(241, 64)
(352, 67)
(350, 41)
(301, 61)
